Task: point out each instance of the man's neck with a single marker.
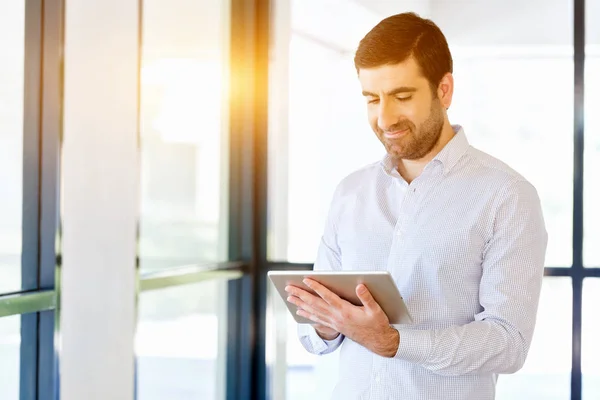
(411, 169)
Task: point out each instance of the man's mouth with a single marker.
(395, 134)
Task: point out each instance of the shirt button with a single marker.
(377, 379)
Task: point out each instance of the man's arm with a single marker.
(328, 258)
(513, 266)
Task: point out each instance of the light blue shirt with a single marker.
(465, 242)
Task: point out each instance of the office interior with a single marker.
(158, 158)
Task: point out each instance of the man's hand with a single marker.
(367, 324)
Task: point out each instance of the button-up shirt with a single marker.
(465, 243)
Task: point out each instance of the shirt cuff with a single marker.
(322, 346)
(415, 345)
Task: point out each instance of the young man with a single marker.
(461, 232)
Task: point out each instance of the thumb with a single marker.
(365, 296)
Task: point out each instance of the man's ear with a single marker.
(446, 90)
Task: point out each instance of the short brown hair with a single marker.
(396, 38)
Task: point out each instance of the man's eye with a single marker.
(373, 101)
(404, 98)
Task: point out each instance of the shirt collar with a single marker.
(388, 165)
(448, 156)
(453, 150)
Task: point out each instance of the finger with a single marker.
(293, 289)
(313, 318)
(299, 292)
(308, 298)
(366, 298)
(326, 294)
(323, 314)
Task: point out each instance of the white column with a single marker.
(99, 200)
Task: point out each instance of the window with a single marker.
(591, 185)
(183, 130)
(182, 328)
(545, 375)
(294, 374)
(181, 342)
(590, 354)
(10, 343)
(12, 67)
(28, 204)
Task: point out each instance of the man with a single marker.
(461, 233)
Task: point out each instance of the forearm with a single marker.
(488, 346)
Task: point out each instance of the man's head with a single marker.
(405, 70)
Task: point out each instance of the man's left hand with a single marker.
(367, 324)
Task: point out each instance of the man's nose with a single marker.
(386, 118)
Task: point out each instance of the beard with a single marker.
(418, 141)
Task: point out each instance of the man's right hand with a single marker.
(326, 332)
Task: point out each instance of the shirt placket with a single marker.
(404, 216)
(379, 371)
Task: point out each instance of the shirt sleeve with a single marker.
(328, 259)
(512, 271)
(314, 344)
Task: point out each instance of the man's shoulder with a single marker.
(492, 167)
(497, 179)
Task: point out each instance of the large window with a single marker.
(182, 330)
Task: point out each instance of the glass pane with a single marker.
(183, 133)
(546, 374)
(591, 185)
(12, 43)
(590, 346)
(294, 374)
(10, 344)
(181, 342)
(502, 98)
(306, 128)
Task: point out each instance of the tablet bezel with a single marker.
(343, 283)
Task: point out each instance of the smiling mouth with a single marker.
(395, 134)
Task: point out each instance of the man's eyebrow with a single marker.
(402, 89)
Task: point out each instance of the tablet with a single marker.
(343, 283)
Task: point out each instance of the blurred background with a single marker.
(243, 108)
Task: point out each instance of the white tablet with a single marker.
(343, 283)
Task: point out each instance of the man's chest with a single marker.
(432, 241)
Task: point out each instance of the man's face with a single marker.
(404, 113)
